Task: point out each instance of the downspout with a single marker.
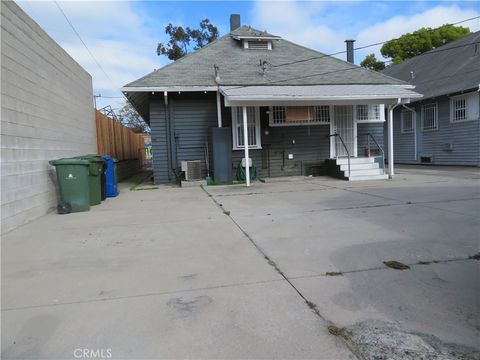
(219, 109)
(167, 134)
(414, 129)
(390, 138)
(245, 143)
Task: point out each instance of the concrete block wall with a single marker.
(46, 113)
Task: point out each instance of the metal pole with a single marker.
(245, 142)
(219, 110)
(390, 141)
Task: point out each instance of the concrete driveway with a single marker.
(232, 272)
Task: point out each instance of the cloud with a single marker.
(116, 32)
(399, 24)
(298, 22)
(325, 26)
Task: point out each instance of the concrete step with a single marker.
(344, 167)
(358, 160)
(365, 172)
(368, 177)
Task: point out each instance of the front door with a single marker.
(343, 124)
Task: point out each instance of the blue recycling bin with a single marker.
(110, 177)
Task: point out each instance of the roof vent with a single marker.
(258, 44)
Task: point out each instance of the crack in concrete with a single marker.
(272, 263)
(384, 267)
(135, 296)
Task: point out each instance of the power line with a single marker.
(349, 68)
(365, 46)
(86, 47)
(383, 42)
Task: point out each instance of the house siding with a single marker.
(184, 135)
(464, 137)
(160, 159)
(192, 115)
(376, 129)
(308, 144)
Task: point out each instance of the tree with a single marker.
(371, 62)
(129, 117)
(420, 41)
(204, 35)
(180, 39)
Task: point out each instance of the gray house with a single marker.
(300, 111)
(443, 127)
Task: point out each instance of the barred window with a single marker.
(464, 107)
(299, 115)
(362, 112)
(407, 121)
(253, 126)
(429, 117)
(459, 109)
(372, 113)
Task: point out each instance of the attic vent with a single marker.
(258, 45)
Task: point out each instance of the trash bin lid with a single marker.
(69, 161)
(92, 158)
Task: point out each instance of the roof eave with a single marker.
(169, 88)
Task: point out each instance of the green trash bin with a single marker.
(95, 177)
(72, 175)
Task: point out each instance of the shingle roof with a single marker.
(238, 66)
(315, 92)
(247, 31)
(451, 68)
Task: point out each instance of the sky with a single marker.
(123, 35)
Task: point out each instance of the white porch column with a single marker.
(390, 141)
(219, 110)
(245, 142)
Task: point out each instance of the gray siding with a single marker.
(193, 116)
(190, 117)
(311, 147)
(376, 129)
(403, 144)
(464, 137)
(158, 127)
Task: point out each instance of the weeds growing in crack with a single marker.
(333, 273)
(397, 265)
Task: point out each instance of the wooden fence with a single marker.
(118, 141)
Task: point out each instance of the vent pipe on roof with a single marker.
(234, 21)
(350, 57)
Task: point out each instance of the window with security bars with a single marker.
(407, 121)
(370, 113)
(459, 109)
(299, 115)
(253, 128)
(464, 107)
(429, 117)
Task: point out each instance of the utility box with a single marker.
(222, 155)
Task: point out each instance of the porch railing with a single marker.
(370, 136)
(345, 147)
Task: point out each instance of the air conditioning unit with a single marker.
(192, 169)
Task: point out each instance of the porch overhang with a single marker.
(139, 96)
(303, 95)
